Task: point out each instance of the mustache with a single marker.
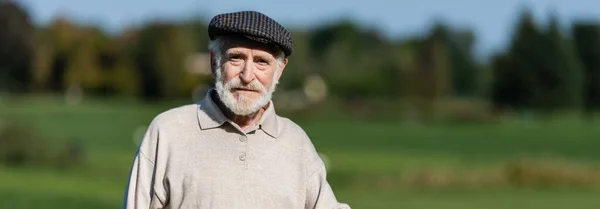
(236, 83)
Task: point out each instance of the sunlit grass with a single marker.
(56, 183)
(358, 153)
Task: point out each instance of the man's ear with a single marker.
(285, 61)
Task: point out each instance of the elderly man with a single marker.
(231, 150)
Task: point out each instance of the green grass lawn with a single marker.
(355, 150)
(474, 200)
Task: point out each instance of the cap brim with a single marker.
(250, 37)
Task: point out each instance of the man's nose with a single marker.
(247, 74)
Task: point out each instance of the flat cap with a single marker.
(252, 25)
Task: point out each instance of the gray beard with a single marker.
(242, 106)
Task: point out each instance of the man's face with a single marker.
(247, 75)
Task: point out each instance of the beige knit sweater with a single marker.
(193, 157)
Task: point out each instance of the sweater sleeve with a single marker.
(319, 194)
(145, 189)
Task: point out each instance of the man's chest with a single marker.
(236, 171)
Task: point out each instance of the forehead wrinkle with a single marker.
(259, 53)
(263, 55)
(235, 51)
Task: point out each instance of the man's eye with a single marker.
(235, 57)
(262, 61)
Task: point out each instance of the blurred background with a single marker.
(433, 104)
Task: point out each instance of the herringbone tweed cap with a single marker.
(253, 25)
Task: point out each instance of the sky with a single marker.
(491, 20)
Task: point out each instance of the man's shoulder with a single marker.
(297, 136)
(291, 128)
(170, 121)
(288, 124)
(174, 115)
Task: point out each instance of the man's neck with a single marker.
(244, 122)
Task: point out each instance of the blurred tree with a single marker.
(17, 47)
(322, 38)
(159, 54)
(55, 52)
(199, 29)
(300, 64)
(434, 81)
(540, 70)
(354, 61)
(507, 85)
(559, 78)
(117, 60)
(514, 81)
(42, 65)
(85, 70)
(181, 45)
(405, 54)
(144, 58)
(587, 42)
(464, 69)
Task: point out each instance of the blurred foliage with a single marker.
(550, 68)
(540, 70)
(17, 41)
(21, 146)
(587, 41)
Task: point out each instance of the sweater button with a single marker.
(243, 156)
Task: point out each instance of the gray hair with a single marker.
(217, 47)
